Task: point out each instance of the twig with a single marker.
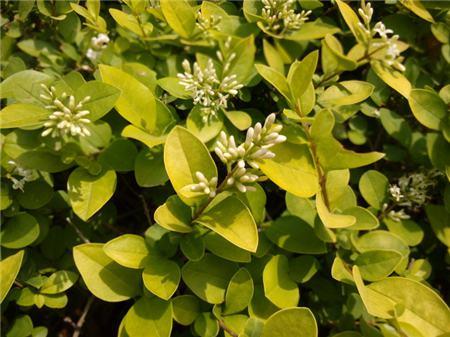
(227, 329)
(78, 231)
(146, 211)
(82, 319)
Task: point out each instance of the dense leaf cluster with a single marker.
(256, 168)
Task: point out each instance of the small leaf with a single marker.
(184, 155)
(149, 317)
(393, 78)
(103, 97)
(19, 231)
(59, 282)
(294, 235)
(88, 193)
(180, 16)
(128, 250)
(373, 186)
(161, 277)
(186, 308)
(276, 79)
(209, 277)
(20, 115)
(301, 74)
(279, 288)
(332, 220)
(230, 218)
(376, 265)
(9, 268)
(291, 322)
(428, 108)
(174, 215)
(104, 278)
(292, 169)
(239, 292)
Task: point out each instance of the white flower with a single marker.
(98, 43)
(255, 148)
(396, 193)
(388, 51)
(398, 215)
(68, 116)
(24, 174)
(279, 16)
(204, 185)
(207, 24)
(206, 89)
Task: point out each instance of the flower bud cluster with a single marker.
(24, 174)
(98, 43)
(207, 24)
(68, 116)
(412, 192)
(389, 53)
(204, 185)
(256, 147)
(207, 89)
(279, 16)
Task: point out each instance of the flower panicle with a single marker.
(68, 117)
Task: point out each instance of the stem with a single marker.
(320, 172)
(227, 329)
(362, 58)
(146, 210)
(221, 187)
(82, 319)
(78, 231)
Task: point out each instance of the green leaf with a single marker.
(239, 292)
(23, 85)
(36, 194)
(103, 97)
(19, 231)
(312, 31)
(136, 102)
(205, 131)
(174, 215)
(294, 235)
(209, 277)
(180, 16)
(184, 155)
(428, 108)
(152, 161)
(21, 327)
(376, 265)
(9, 268)
(21, 115)
(231, 219)
(127, 21)
(279, 288)
(292, 169)
(104, 278)
(240, 119)
(407, 229)
(144, 136)
(273, 57)
(88, 193)
(418, 8)
(59, 282)
(332, 220)
(415, 300)
(365, 219)
(376, 304)
(303, 268)
(242, 64)
(331, 153)
(396, 126)
(193, 246)
(373, 186)
(301, 74)
(161, 277)
(345, 93)
(186, 308)
(276, 79)
(223, 248)
(149, 317)
(350, 18)
(206, 325)
(119, 156)
(439, 219)
(291, 322)
(128, 250)
(395, 79)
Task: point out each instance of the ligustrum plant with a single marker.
(255, 168)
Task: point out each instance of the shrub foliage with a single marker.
(265, 168)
